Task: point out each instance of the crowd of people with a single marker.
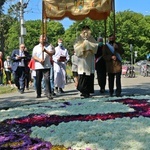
(90, 56)
(46, 67)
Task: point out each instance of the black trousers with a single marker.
(111, 78)
(86, 83)
(27, 79)
(8, 76)
(40, 73)
(101, 77)
(19, 78)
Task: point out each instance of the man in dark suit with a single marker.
(20, 60)
(100, 66)
(112, 53)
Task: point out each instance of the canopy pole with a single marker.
(43, 25)
(44, 20)
(114, 16)
(42, 17)
(105, 30)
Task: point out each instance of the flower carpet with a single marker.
(78, 124)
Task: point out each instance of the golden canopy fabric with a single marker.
(77, 9)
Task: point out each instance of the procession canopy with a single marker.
(77, 9)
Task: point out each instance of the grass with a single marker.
(68, 70)
(6, 89)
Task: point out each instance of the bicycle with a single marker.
(130, 72)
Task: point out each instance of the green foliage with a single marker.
(131, 28)
(34, 30)
(1, 4)
(12, 41)
(5, 24)
(55, 30)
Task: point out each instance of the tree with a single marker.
(131, 28)
(34, 30)
(5, 23)
(1, 4)
(55, 30)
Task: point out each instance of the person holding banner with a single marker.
(112, 54)
(41, 54)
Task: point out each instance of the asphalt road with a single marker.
(130, 87)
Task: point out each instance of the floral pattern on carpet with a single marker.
(81, 124)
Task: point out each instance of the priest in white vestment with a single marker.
(85, 48)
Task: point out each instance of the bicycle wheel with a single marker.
(133, 74)
(128, 74)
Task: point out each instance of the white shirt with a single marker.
(7, 65)
(21, 54)
(37, 51)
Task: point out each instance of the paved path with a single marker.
(130, 87)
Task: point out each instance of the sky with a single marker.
(33, 10)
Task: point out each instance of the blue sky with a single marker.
(33, 11)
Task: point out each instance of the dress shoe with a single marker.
(21, 91)
(86, 96)
(111, 95)
(118, 95)
(56, 89)
(38, 96)
(49, 96)
(53, 93)
(83, 95)
(61, 90)
(102, 91)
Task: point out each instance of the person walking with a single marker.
(41, 54)
(85, 48)
(74, 68)
(52, 77)
(8, 70)
(20, 59)
(27, 74)
(112, 54)
(60, 59)
(1, 68)
(100, 66)
(31, 65)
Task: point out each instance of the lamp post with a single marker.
(22, 28)
(135, 56)
(131, 49)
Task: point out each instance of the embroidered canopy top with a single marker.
(77, 9)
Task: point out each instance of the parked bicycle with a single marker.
(128, 71)
(145, 70)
